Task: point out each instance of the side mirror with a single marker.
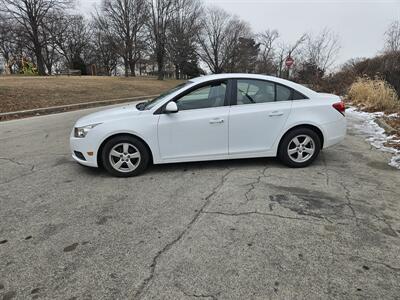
(171, 108)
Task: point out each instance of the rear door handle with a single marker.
(276, 114)
(217, 121)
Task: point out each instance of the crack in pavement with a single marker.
(246, 213)
(13, 161)
(33, 169)
(326, 170)
(349, 204)
(18, 177)
(252, 185)
(212, 296)
(147, 281)
(388, 225)
(396, 269)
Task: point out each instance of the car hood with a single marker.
(109, 114)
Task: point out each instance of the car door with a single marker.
(261, 110)
(199, 128)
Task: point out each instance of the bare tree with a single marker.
(13, 44)
(392, 37)
(49, 35)
(288, 50)
(7, 41)
(104, 47)
(322, 50)
(72, 39)
(215, 25)
(30, 14)
(267, 41)
(220, 34)
(182, 34)
(239, 46)
(126, 20)
(161, 13)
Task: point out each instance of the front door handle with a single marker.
(217, 121)
(276, 114)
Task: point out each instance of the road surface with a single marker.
(244, 229)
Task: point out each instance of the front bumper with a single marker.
(83, 146)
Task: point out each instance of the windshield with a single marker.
(151, 103)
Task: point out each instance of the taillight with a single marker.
(340, 107)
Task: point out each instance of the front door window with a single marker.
(212, 95)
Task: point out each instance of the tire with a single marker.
(125, 156)
(299, 147)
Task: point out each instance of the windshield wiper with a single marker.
(248, 96)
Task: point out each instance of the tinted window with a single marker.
(298, 96)
(255, 91)
(283, 93)
(212, 95)
(150, 104)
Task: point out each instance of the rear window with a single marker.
(298, 96)
(283, 93)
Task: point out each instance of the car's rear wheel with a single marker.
(125, 156)
(299, 147)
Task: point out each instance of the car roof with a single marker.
(298, 87)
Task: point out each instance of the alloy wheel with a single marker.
(301, 148)
(124, 157)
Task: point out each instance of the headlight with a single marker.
(81, 132)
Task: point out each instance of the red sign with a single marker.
(289, 61)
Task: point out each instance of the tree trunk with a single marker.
(132, 66)
(9, 68)
(160, 64)
(40, 61)
(160, 50)
(7, 64)
(126, 65)
(49, 67)
(38, 52)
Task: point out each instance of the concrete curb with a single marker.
(69, 107)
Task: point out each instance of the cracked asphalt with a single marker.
(243, 229)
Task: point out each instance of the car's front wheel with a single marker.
(125, 156)
(299, 147)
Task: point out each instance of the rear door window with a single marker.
(255, 91)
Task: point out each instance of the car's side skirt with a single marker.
(217, 157)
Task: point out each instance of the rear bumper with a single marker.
(80, 148)
(334, 132)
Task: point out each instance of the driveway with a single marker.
(244, 229)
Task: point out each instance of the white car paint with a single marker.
(226, 132)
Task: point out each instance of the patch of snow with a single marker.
(376, 135)
(394, 115)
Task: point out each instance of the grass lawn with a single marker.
(23, 92)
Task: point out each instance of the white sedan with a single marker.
(215, 117)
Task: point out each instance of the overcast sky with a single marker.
(359, 23)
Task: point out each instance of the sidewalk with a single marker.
(62, 108)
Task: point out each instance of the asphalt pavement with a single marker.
(242, 229)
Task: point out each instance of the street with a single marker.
(240, 229)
